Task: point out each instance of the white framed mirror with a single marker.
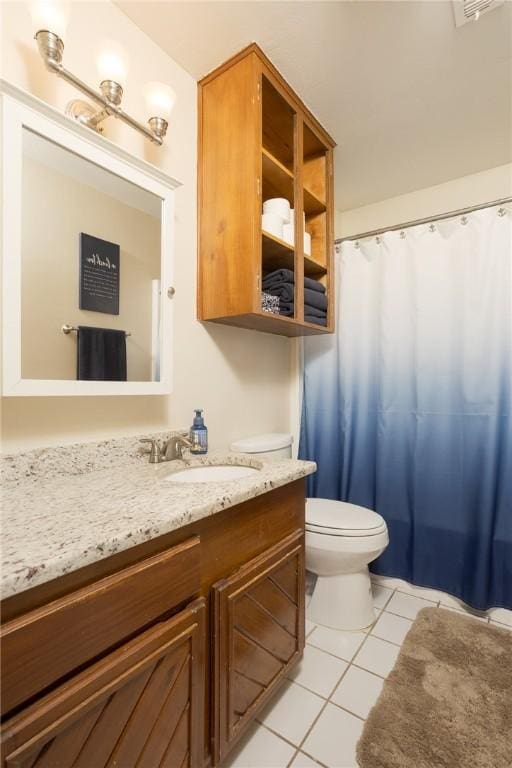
(87, 255)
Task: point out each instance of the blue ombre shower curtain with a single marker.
(407, 408)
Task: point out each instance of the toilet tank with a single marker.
(274, 446)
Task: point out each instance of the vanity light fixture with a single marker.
(49, 21)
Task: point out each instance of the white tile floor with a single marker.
(317, 718)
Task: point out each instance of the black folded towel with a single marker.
(288, 276)
(286, 308)
(315, 299)
(101, 354)
(286, 292)
(311, 314)
(316, 320)
(309, 310)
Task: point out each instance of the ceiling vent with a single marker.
(471, 10)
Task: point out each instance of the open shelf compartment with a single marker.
(278, 181)
(278, 125)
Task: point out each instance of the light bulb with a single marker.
(112, 63)
(50, 16)
(160, 100)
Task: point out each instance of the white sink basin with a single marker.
(211, 474)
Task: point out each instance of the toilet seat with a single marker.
(339, 518)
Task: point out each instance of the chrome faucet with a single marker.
(175, 446)
(171, 450)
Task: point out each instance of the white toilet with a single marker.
(341, 540)
(273, 446)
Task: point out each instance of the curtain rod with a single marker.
(427, 220)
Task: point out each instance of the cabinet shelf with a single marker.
(277, 179)
(313, 268)
(278, 254)
(313, 204)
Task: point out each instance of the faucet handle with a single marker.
(155, 454)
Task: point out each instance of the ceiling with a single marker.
(411, 100)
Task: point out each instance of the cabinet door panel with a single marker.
(286, 579)
(253, 620)
(142, 705)
(258, 636)
(280, 606)
(44, 645)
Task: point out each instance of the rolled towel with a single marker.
(288, 276)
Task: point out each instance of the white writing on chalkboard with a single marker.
(99, 262)
(104, 286)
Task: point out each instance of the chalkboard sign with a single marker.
(99, 275)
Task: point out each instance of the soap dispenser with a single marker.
(198, 434)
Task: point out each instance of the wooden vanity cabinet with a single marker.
(257, 140)
(141, 705)
(162, 654)
(258, 635)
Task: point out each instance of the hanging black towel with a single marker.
(101, 354)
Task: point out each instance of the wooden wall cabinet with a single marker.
(257, 140)
(160, 655)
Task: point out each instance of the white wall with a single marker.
(241, 378)
(494, 184)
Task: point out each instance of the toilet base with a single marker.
(343, 602)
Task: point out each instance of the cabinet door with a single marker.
(258, 627)
(141, 705)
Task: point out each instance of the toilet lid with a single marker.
(273, 441)
(339, 518)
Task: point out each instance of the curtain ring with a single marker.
(502, 211)
(356, 244)
(337, 248)
(432, 227)
(377, 240)
(464, 221)
(402, 234)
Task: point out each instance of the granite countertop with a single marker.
(56, 521)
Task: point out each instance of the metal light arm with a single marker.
(51, 49)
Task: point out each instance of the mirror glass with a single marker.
(91, 258)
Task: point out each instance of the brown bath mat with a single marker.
(448, 701)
